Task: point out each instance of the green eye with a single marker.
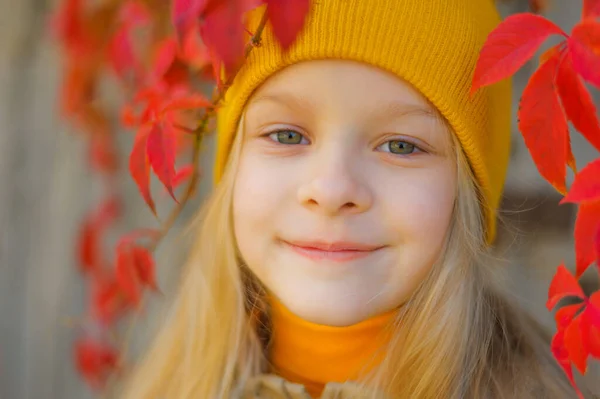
(400, 147)
(287, 137)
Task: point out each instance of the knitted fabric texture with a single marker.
(432, 44)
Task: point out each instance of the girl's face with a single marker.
(344, 191)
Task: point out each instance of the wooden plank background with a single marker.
(45, 189)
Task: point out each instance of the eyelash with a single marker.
(416, 148)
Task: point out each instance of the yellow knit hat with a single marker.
(432, 44)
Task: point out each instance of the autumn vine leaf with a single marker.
(591, 9)
(578, 103)
(584, 46)
(159, 67)
(586, 186)
(139, 168)
(563, 285)
(288, 17)
(161, 153)
(544, 126)
(95, 360)
(510, 46)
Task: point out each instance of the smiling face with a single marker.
(344, 190)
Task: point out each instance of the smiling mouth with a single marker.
(333, 251)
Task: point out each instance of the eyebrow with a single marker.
(287, 99)
(399, 109)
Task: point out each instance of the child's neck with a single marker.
(313, 354)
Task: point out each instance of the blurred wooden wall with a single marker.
(45, 189)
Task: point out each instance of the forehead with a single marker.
(347, 84)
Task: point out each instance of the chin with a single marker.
(330, 309)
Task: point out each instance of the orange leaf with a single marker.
(509, 46)
(544, 125)
(287, 18)
(563, 285)
(578, 103)
(586, 186)
(139, 168)
(584, 46)
(573, 341)
(161, 152)
(591, 9)
(586, 227)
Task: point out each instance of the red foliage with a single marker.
(159, 58)
(554, 95)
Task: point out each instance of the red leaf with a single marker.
(144, 265)
(561, 354)
(68, 25)
(134, 13)
(509, 46)
(586, 186)
(107, 301)
(194, 51)
(104, 156)
(184, 14)
(122, 56)
(90, 238)
(164, 58)
(127, 275)
(573, 341)
(95, 360)
(223, 32)
(578, 102)
(89, 254)
(586, 226)
(161, 152)
(128, 116)
(563, 284)
(139, 167)
(544, 125)
(287, 18)
(584, 46)
(591, 9)
(565, 315)
(592, 333)
(183, 174)
(190, 101)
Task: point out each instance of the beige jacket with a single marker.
(269, 386)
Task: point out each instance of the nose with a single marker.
(335, 187)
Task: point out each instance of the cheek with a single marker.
(419, 210)
(260, 195)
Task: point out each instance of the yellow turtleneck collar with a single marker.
(313, 355)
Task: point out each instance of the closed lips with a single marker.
(337, 251)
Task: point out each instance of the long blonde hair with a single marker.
(459, 336)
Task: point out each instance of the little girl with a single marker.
(343, 251)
